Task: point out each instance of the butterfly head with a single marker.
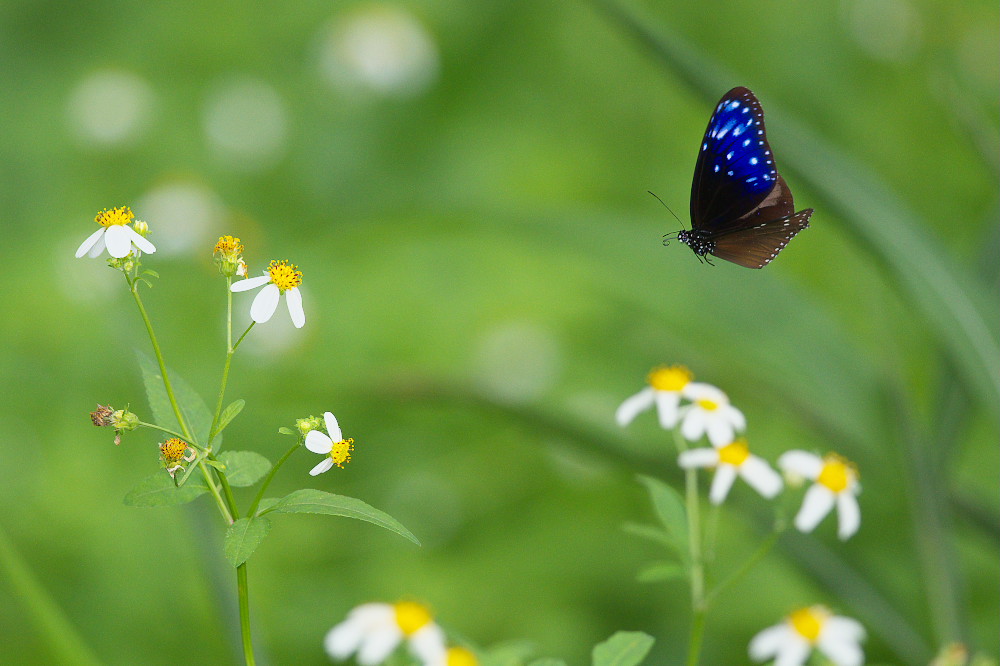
(697, 239)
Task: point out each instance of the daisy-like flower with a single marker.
(174, 453)
(791, 642)
(666, 384)
(228, 253)
(836, 483)
(375, 630)
(710, 414)
(116, 235)
(280, 278)
(333, 446)
(458, 656)
(730, 461)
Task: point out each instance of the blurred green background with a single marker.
(464, 186)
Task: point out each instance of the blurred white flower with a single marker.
(709, 414)
(666, 385)
(110, 107)
(280, 278)
(335, 449)
(731, 461)
(375, 630)
(836, 483)
(115, 234)
(792, 642)
(246, 123)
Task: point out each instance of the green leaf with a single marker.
(670, 510)
(648, 532)
(625, 648)
(229, 413)
(661, 571)
(243, 537)
(159, 490)
(308, 500)
(194, 409)
(244, 468)
(150, 271)
(547, 661)
(286, 431)
(508, 653)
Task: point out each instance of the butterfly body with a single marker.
(741, 209)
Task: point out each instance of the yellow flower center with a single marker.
(173, 450)
(284, 275)
(228, 246)
(341, 452)
(837, 473)
(459, 656)
(670, 378)
(707, 405)
(808, 622)
(411, 616)
(115, 216)
(734, 454)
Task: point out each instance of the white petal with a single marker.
(264, 303)
(323, 466)
(119, 243)
(318, 442)
(332, 427)
(734, 416)
(848, 515)
(720, 431)
(698, 458)
(817, 503)
(794, 653)
(293, 299)
(693, 425)
(759, 475)
(769, 642)
(98, 248)
(379, 644)
(802, 463)
(639, 402)
(250, 283)
(723, 481)
(666, 408)
(701, 391)
(89, 243)
(841, 649)
(343, 639)
(839, 628)
(139, 241)
(428, 644)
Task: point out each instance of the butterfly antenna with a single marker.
(667, 207)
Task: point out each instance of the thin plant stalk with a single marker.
(697, 571)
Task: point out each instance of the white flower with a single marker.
(335, 449)
(836, 483)
(374, 630)
(732, 460)
(791, 642)
(115, 235)
(710, 414)
(280, 278)
(666, 384)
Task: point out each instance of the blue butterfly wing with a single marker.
(735, 171)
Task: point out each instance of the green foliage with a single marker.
(308, 500)
(661, 571)
(193, 408)
(231, 411)
(160, 490)
(625, 648)
(244, 468)
(670, 510)
(547, 661)
(243, 537)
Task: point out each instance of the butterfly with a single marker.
(741, 209)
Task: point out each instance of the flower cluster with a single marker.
(116, 235)
(373, 631)
(699, 410)
(330, 444)
(279, 278)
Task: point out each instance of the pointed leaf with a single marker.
(243, 537)
(244, 468)
(194, 409)
(159, 490)
(286, 431)
(308, 500)
(625, 648)
(648, 532)
(150, 271)
(228, 414)
(669, 509)
(661, 571)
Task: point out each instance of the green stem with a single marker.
(698, 606)
(244, 335)
(270, 475)
(172, 433)
(229, 357)
(244, 595)
(214, 489)
(747, 565)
